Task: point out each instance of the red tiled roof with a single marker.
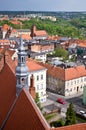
(5, 27)
(65, 74)
(75, 72)
(4, 41)
(26, 36)
(81, 126)
(57, 72)
(41, 33)
(2, 50)
(25, 115)
(13, 31)
(82, 45)
(33, 65)
(16, 22)
(7, 91)
(10, 52)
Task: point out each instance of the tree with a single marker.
(58, 123)
(38, 101)
(60, 52)
(70, 115)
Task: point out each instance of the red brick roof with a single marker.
(72, 127)
(82, 44)
(41, 33)
(25, 115)
(26, 37)
(5, 27)
(65, 74)
(10, 52)
(75, 72)
(7, 91)
(31, 64)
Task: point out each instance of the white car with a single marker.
(82, 112)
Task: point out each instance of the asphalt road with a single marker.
(77, 101)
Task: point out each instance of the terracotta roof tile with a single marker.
(75, 72)
(5, 27)
(16, 22)
(82, 45)
(33, 65)
(25, 115)
(65, 74)
(57, 72)
(72, 127)
(41, 33)
(26, 37)
(7, 91)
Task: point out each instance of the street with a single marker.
(77, 101)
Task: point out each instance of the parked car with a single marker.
(83, 113)
(60, 100)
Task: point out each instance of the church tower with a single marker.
(21, 69)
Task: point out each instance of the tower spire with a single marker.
(21, 69)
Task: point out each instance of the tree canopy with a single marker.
(70, 115)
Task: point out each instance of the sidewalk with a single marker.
(48, 102)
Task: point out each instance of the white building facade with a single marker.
(39, 83)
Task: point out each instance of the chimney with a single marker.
(33, 29)
(32, 88)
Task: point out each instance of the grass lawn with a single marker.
(49, 116)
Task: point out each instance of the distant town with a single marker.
(43, 55)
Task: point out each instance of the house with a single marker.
(42, 56)
(65, 80)
(18, 110)
(40, 46)
(81, 48)
(38, 34)
(23, 31)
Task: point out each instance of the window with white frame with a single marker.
(41, 87)
(41, 93)
(67, 83)
(81, 79)
(41, 76)
(37, 77)
(84, 79)
(37, 87)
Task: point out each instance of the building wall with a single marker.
(66, 88)
(36, 48)
(40, 83)
(42, 48)
(75, 86)
(55, 85)
(43, 58)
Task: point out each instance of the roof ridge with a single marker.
(39, 114)
(8, 114)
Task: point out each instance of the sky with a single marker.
(43, 5)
